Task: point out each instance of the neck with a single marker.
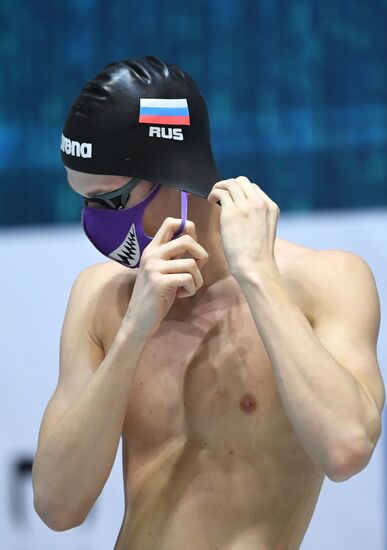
(209, 237)
(207, 224)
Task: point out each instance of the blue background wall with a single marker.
(296, 92)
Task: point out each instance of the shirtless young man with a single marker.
(234, 395)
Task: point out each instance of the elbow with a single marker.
(54, 515)
(56, 521)
(348, 460)
(51, 510)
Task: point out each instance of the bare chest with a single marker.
(206, 378)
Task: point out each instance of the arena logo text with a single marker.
(75, 148)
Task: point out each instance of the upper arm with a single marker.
(347, 318)
(80, 352)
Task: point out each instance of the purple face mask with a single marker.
(119, 234)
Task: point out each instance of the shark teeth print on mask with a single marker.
(128, 253)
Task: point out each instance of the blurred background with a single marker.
(297, 95)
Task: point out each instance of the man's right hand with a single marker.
(164, 276)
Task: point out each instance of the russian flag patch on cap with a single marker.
(164, 111)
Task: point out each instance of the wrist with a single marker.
(129, 330)
(258, 273)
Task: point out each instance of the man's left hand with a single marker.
(248, 223)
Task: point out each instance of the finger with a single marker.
(178, 247)
(183, 280)
(221, 195)
(185, 265)
(258, 191)
(231, 185)
(247, 186)
(168, 228)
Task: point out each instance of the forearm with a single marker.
(325, 404)
(77, 456)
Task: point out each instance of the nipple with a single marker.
(248, 403)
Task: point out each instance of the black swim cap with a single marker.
(142, 118)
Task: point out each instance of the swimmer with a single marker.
(238, 368)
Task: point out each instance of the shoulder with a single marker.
(99, 289)
(343, 257)
(325, 279)
(98, 276)
(322, 264)
(343, 286)
(339, 266)
(104, 283)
